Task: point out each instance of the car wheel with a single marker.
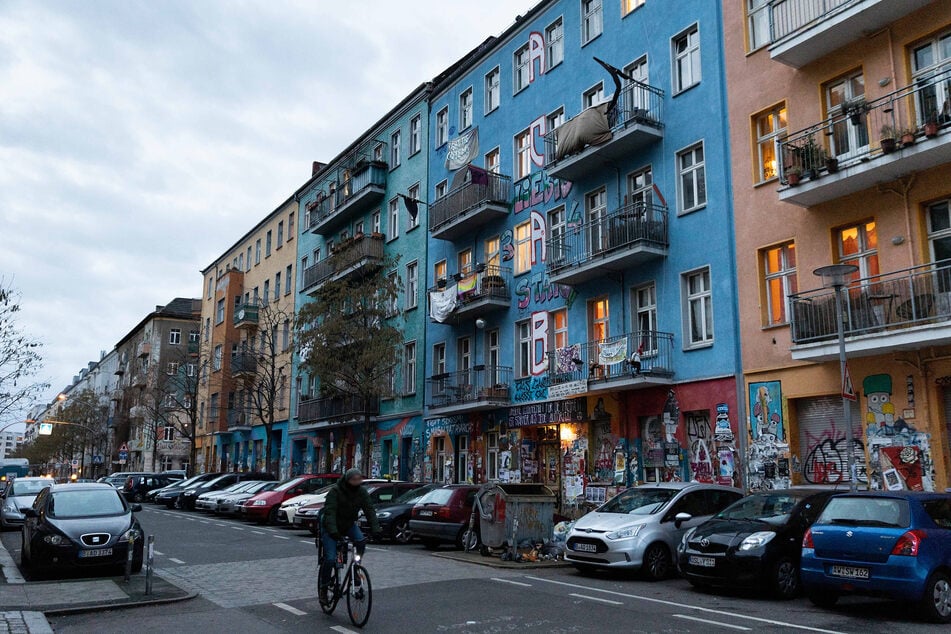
(936, 600)
(656, 563)
(25, 560)
(785, 579)
(431, 544)
(272, 515)
(136, 566)
(826, 599)
(401, 533)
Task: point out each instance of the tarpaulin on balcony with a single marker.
(588, 128)
(462, 150)
(565, 358)
(442, 303)
(612, 352)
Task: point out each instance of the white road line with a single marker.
(376, 548)
(514, 583)
(220, 524)
(717, 623)
(599, 600)
(237, 528)
(259, 532)
(684, 606)
(155, 552)
(205, 522)
(175, 561)
(342, 630)
(281, 537)
(289, 608)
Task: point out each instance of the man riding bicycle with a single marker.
(339, 518)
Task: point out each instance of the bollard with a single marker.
(128, 560)
(148, 564)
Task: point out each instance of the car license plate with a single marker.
(703, 562)
(849, 572)
(426, 513)
(97, 552)
(586, 548)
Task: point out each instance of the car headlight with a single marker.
(260, 503)
(56, 540)
(687, 536)
(132, 534)
(756, 540)
(10, 507)
(383, 515)
(625, 533)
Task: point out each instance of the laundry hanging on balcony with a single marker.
(442, 303)
(612, 352)
(567, 358)
(462, 150)
(466, 285)
(591, 127)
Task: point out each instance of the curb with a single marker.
(10, 571)
(82, 609)
(494, 562)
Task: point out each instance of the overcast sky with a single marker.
(138, 140)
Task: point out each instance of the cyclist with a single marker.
(339, 517)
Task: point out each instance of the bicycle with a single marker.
(355, 584)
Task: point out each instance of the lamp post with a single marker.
(836, 277)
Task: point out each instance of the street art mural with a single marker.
(767, 461)
(827, 457)
(711, 453)
(532, 388)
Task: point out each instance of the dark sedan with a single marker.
(169, 496)
(80, 526)
(394, 515)
(753, 543)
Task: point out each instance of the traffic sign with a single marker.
(124, 447)
(75, 462)
(46, 429)
(123, 455)
(97, 459)
(848, 390)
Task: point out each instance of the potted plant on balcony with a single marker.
(887, 139)
(908, 136)
(793, 175)
(832, 162)
(811, 157)
(854, 109)
(931, 125)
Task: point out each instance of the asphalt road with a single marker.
(261, 579)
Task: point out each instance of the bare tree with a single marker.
(20, 359)
(89, 413)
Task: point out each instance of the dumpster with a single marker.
(516, 512)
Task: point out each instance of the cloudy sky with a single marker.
(139, 139)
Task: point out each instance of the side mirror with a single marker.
(29, 513)
(136, 507)
(680, 518)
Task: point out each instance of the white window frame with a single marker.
(696, 172)
(493, 90)
(523, 349)
(442, 188)
(376, 221)
(394, 219)
(396, 140)
(704, 298)
(442, 127)
(409, 368)
(757, 12)
(592, 20)
(413, 192)
(412, 285)
(787, 277)
(415, 135)
(520, 69)
(493, 160)
(466, 106)
(767, 143)
(523, 259)
(175, 336)
(629, 6)
(555, 43)
(690, 54)
(522, 143)
(644, 309)
(593, 96)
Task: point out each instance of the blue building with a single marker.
(583, 325)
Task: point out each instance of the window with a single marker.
(555, 43)
(939, 231)
(699, 307)
(442, 127)
(847, 139)
(207, 328)
(591, 20)
(757, 12)
(193, 336)
(415, 135)
(413, 192)
(211, 287)
(248, 260)
(168, 433)
(412, 285)
(393, 308)
(220, 311)
(277, 286)
(439, 271)
(555, 119)
(557, 249)
(464, 261)
(280, 234)
(241, 261)
(640, 188)
(267, 292)
(493, 254)
(288, 277)
(493, 355)
(593, 96)
(257, 251)
(858, 245)
(493, 161)
(693, 182)
(768, 128)
(394, 208)
(395, 141)
(439, 359)
(559, 321)
(190, 369)
(175, 336)
(286, 335)
(267, 244)
(216, 358)
(596, 208)
(171, 368)
(441, 189)
(520, 62)
(644, 300)
(465, 109)
(409, 368)
(599, 315)
(492, 456)
(213, 406)
(523, 154)
(290, 226)
(523, 247)
(492, 90)
(378, 152)
(686, 50)
(629, 5)
(934, 97)
(779, 268)
(464, 354)
(376, 222)
(523, 345)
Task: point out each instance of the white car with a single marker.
(210, 500)
(19, 494)
(285, 514)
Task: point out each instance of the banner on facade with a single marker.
(550, 413)
(462, 150)
(569, 388)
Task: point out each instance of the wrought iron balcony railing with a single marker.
(485, 188)
(244, 363)
(482, 384)
(614, 358)
(335, 408)
(351, 257)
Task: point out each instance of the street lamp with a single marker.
(836, 277)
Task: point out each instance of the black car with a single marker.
(137, 486)
(169, 495)
(756, 542)
(394, 515)
(187, 499)
(80, 526)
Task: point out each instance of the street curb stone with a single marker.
(10, 571)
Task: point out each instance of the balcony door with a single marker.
(848, 139)
(598, 321)
(645, 312)
(596, 210)
(556, 236)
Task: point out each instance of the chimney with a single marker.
(317, 166)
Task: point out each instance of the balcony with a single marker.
(245, 316)
(902, 310)
(358, 190)
(238, 421)
(802, 31)
(361, 256)
(612, 364)
(856, 139)
(144, 349)
(244, 364)
(594, 137)
(480, 388)
(139, 379)
(337, 409)
(622, 239)
(484, 198)
(487, 289)
(120, 369)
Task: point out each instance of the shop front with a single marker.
(396, 451)
(326, 448)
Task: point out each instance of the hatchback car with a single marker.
(208, 501)
(753, 543)
(169, 496)
(228, 504)
(136, 487)
(394, 515)
(187, 499)
(641, 527)
(895, 545)
(378, 489)
(18, 495)
(80, 526)
(442, 515)
(262, 507)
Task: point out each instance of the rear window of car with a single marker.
(939, 511)
(29, 487)
(866, 511)
(437, 496)
(773, 507)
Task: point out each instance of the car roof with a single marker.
(32, 479)
(83, 486)
(686, 485)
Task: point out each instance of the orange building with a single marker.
(841, 144)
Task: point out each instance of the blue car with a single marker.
(895, 545)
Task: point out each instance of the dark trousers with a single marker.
(330, 550)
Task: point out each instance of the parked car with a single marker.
(188, 496)
(394, 515)
(263, 506)
(17, 495)
(170, 494)
(287, 511)
(175, 474)
(228, 504)
(895, 545)
(380, 490)
(137, 486)
(80, 526)
(641, 527)
(755, 542)
(119, 478)
(442, 515)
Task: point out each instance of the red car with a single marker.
(263, 507)
(442, 515)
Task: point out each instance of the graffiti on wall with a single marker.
(537, 189)
(827, 457)
(699, 446)
(532, 388)
(768, 455)
(537, 287)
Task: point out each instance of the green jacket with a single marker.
(342, 506)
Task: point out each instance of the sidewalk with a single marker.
(495, 562)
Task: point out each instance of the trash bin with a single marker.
(515, 511)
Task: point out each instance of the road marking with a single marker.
(342, 629)
(205, 522)
(377, 548)
(717, 623)
(290, 608)
(175, 561)
(259, 532)
(237, 528)
(155, 552)
(584, 596)
(514, 583)
(220, 524)
(281, 537)
(684, 606)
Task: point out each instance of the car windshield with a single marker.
(770, 507)
(639, 501)
(260, 486)
(436, 496)
(866, 511)
(85, 503)
(290, 484)
(29, 487)
(237, 487)
(412, 495)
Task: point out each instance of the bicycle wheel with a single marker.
(328, 600)
(359, 596)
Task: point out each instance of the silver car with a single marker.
(18, 495)
(641, 527)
